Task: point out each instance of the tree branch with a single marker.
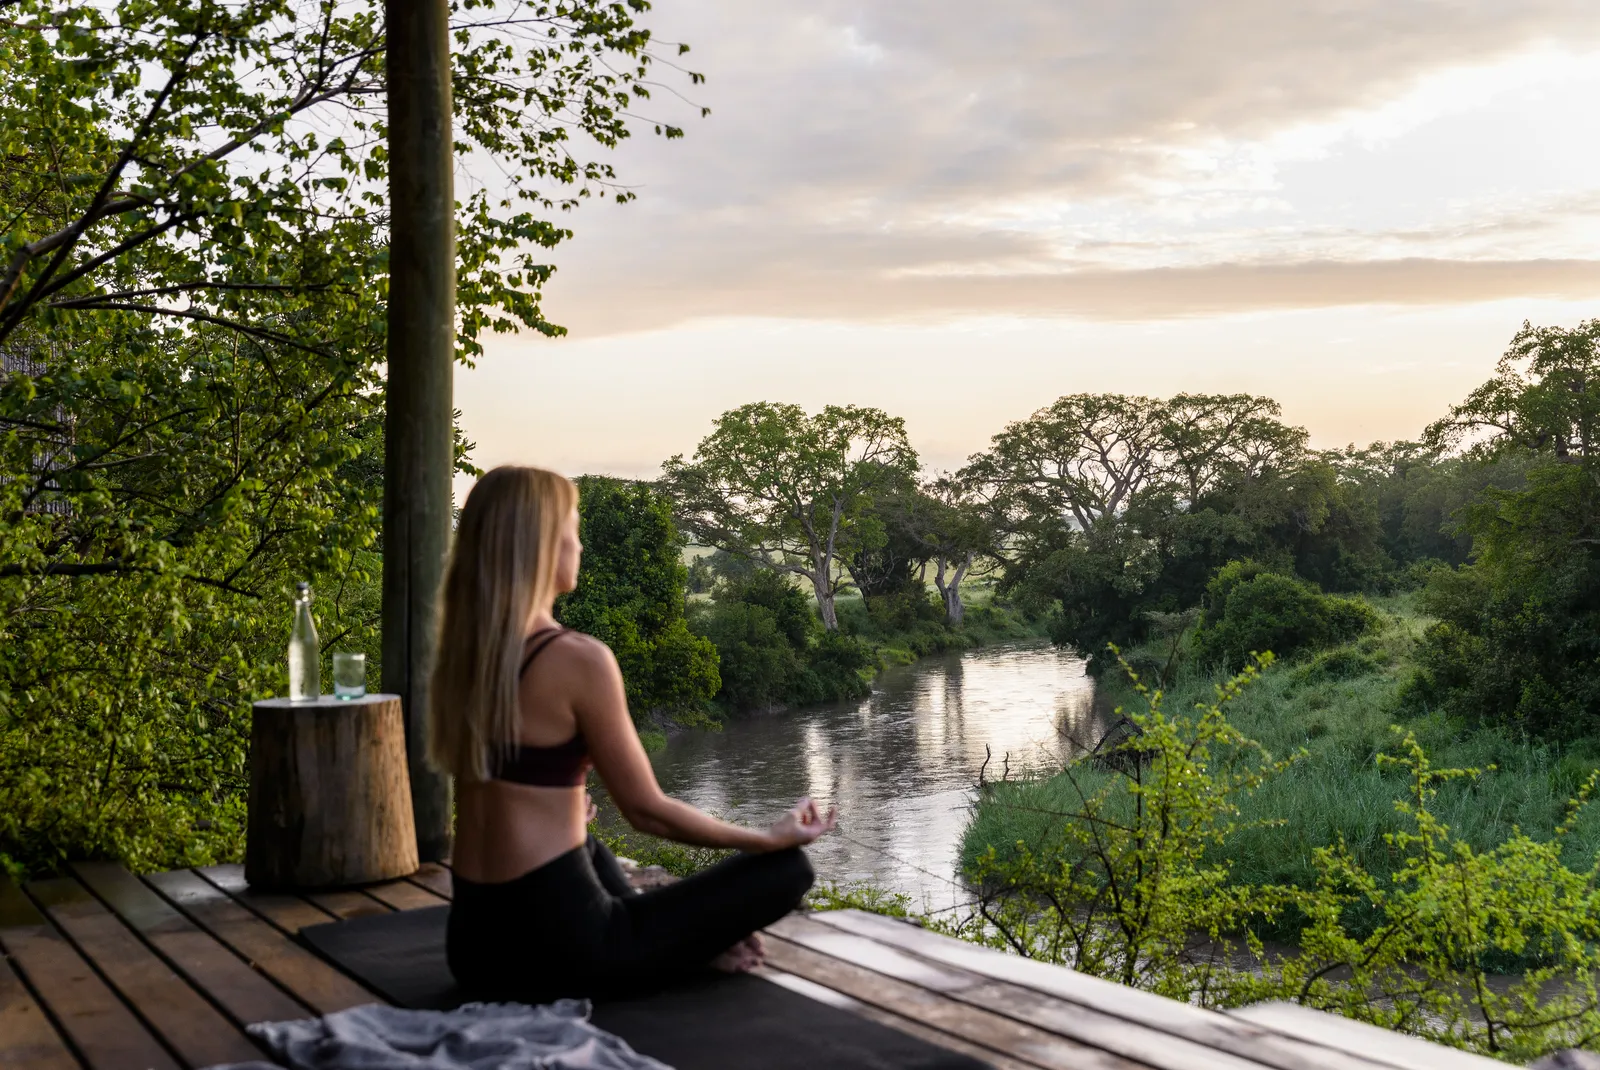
(63, 242)
(113, 568)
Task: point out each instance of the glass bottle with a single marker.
(305, 655)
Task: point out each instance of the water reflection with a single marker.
(900, 764)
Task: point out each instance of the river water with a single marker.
(901, 765)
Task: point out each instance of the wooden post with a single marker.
(418, 429)
(329, 800)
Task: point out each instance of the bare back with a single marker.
(505, 829)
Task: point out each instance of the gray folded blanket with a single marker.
(475, 1036)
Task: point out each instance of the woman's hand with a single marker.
(801, 825)
(590, 810)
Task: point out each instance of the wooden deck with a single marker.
(110, 971)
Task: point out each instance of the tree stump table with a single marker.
(330, 798)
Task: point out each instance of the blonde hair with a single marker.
(503, 564)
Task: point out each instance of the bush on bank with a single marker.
(1250, 609)
(1338, 705)
(1134, 878)
(630, 597)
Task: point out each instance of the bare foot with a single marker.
(742, 957)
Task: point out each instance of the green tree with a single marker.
(1250, 609)
(192, 282)
(890, 559)
(1078, 463)
(630, 596)
(790, 490)
(773, 650)
(1519, 632)
(957, 531)
(1107, 508)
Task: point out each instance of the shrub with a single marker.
(1249, 610)
(1227, 578)
(1522, 649)
(759, 665)
(630, 597)
(1341, 663)
(1447, 663)
(773, 650)
(839, 667)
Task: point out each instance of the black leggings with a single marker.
(575, 927)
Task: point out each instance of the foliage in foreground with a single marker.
(193, 274)
(1137, 886)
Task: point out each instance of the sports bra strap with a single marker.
(540, 640)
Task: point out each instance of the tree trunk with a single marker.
(954, 611)
(825, 607)
(950, 592)
(330, 801)
(418, 431)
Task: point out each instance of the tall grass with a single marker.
(1339, 708)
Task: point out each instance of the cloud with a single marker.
(1105, 158)
(1153, 294)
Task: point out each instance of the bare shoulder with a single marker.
(583, 653)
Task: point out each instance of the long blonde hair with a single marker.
(502, 565)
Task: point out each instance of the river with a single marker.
(901, 764)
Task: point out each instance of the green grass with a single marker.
(1339, 707)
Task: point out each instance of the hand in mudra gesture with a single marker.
(801, 824)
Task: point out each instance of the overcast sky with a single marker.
(959, 212)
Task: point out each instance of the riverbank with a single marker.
(1341, 708)
(775, 656)
(899, 634)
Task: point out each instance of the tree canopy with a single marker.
(789, 489)
(1519, 633)
(193, 275)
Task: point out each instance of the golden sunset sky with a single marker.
(958, 212)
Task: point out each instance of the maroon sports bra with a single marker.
(564, 765)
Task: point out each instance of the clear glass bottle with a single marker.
(305, 654)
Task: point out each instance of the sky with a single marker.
(959, 212)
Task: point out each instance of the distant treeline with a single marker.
(1107, 514)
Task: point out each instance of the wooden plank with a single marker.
(288, 912)
(1133, 1040)
(1094, 1031)
(244, 995)
(312, 981)
(99, 1025)
(346, 904)
(1369, 1041)
(1182, 1023)
(935, 1010)
(823, 994)
(403, 895)
(875, 956)
(27, 1039)
(191, 1027)
(434, 877)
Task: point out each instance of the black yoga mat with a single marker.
(713, 1022)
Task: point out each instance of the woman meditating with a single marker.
(520, 709)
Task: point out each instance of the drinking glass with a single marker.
(349, 675)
